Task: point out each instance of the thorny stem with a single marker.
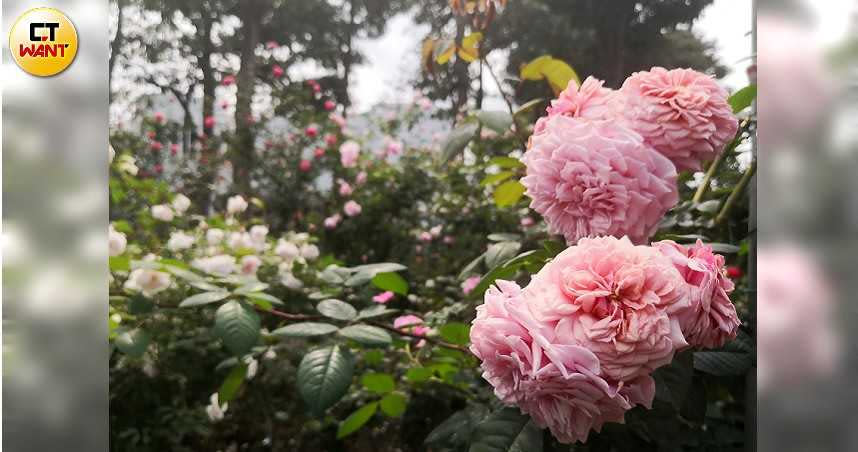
(304, 318)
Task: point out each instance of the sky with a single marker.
(393, 58)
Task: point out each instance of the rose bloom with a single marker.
(179, 241)
(249, 264)
(258, 234)
(214, 235)
(436, 230)
(311, 131)
(116, 242)
(393, 147)
(360, 179)
(338, 120)
(227, 80)
(330, 105)
(309, 251)
(240, 240)
(209, 122)
(712, 320)
(330, 139)
(235, 204)
(287, 251)
(590, 101)
(558, 384)
(270, 45)
(332, 221)
(383, 297)
(425, 236)
(181, 203)
(591, 178)
(318, 152)
(220, 265)
(174, 149)
(158, 117)
(162, 212)
(352, 208)
(345, 189)
(470, 284)
(618, 300)
(156, 146)
(277, 71)
(349, 152)
(146, 281)
(411, 323)
(305, 165)
(681, 113)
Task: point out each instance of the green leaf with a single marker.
(530, 439)
(366, 334)
(723, 364)
(456, 430)
(673, 381)
(377, 310)
(203, 298)
(183, 273)
(527, 106)
(724, 248)
(132, 342)
(324, 376)
(455, 333)
(533, 69)
(418, 374)
(743, 98)
(498, 253)
(500, 432)
(378, 382)
(503, 237)
(119, 263)
(237, 326)
(356, 420)
(506, 162)
(337, 309)
(710, 206)
(496, 178)
(364, 273)
(265, 297)
(393, 404)
(499, 121)
(232, 383)
(305, 329)
(472, 266)
(508, 193)
(458, 140)
(508, 269)
(392, 282)
(251, 287)
(373, 356)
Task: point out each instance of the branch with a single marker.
(508, 102)
(737, 191)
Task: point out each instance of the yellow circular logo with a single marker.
(43, 42)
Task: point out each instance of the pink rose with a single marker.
(383, 297)
(681, 113)
(526, 222)
(590, 101)
(393, 147)
(337, 119)
(349, 152)
(352, 208)
(332, 221)
(345, 188)
(593, 178)
(156, 146)
(227, 80)
(311, 131)
(425, 236)
(305, 165)
(159, 117)
(330, 105)
(618, 300)
(318, 152)
(711, 321)
(271, 45)
(470, 284)
(277, 71)
(209, 122)
(330, 139)
(360, 178)
(249, 264)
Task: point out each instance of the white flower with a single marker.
(236, 204)
(309, 251)
(215, 410)
(179, 241)
(252, 367)
(111, 152)
(240, 240)
(289, 280)
(162, 212)
(217, 265)
(181, 204)
(258, 233)
(148, 282)
(287, 250)
(116, 242)
(127, 164)
(269, 354)
(214, 235)
(436, 231)
(249, 264)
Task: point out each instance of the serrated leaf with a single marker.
(366, 334)
(336, 309)
(392, 282)
(500, 432)
(498, 253)
(496, 178)
(203, 298)
(232, 383)
(393, 404)
(378, 382)
(377, 310)
(305, 329)
(356, 420)
(458, 140)
(499, 121)
(455, 333)
(508, 193)
(418, 374)
(132, 342)
(324, 376)
(723, 364)
(237, 326)
(743, 98)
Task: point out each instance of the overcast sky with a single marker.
(394, 57)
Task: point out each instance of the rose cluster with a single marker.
(604, 162)
(576, 347)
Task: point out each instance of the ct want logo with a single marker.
(43, 42)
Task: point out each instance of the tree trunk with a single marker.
(115, 48)
(243, 146)
(460, 71)
(348, 58)
(202, 195)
